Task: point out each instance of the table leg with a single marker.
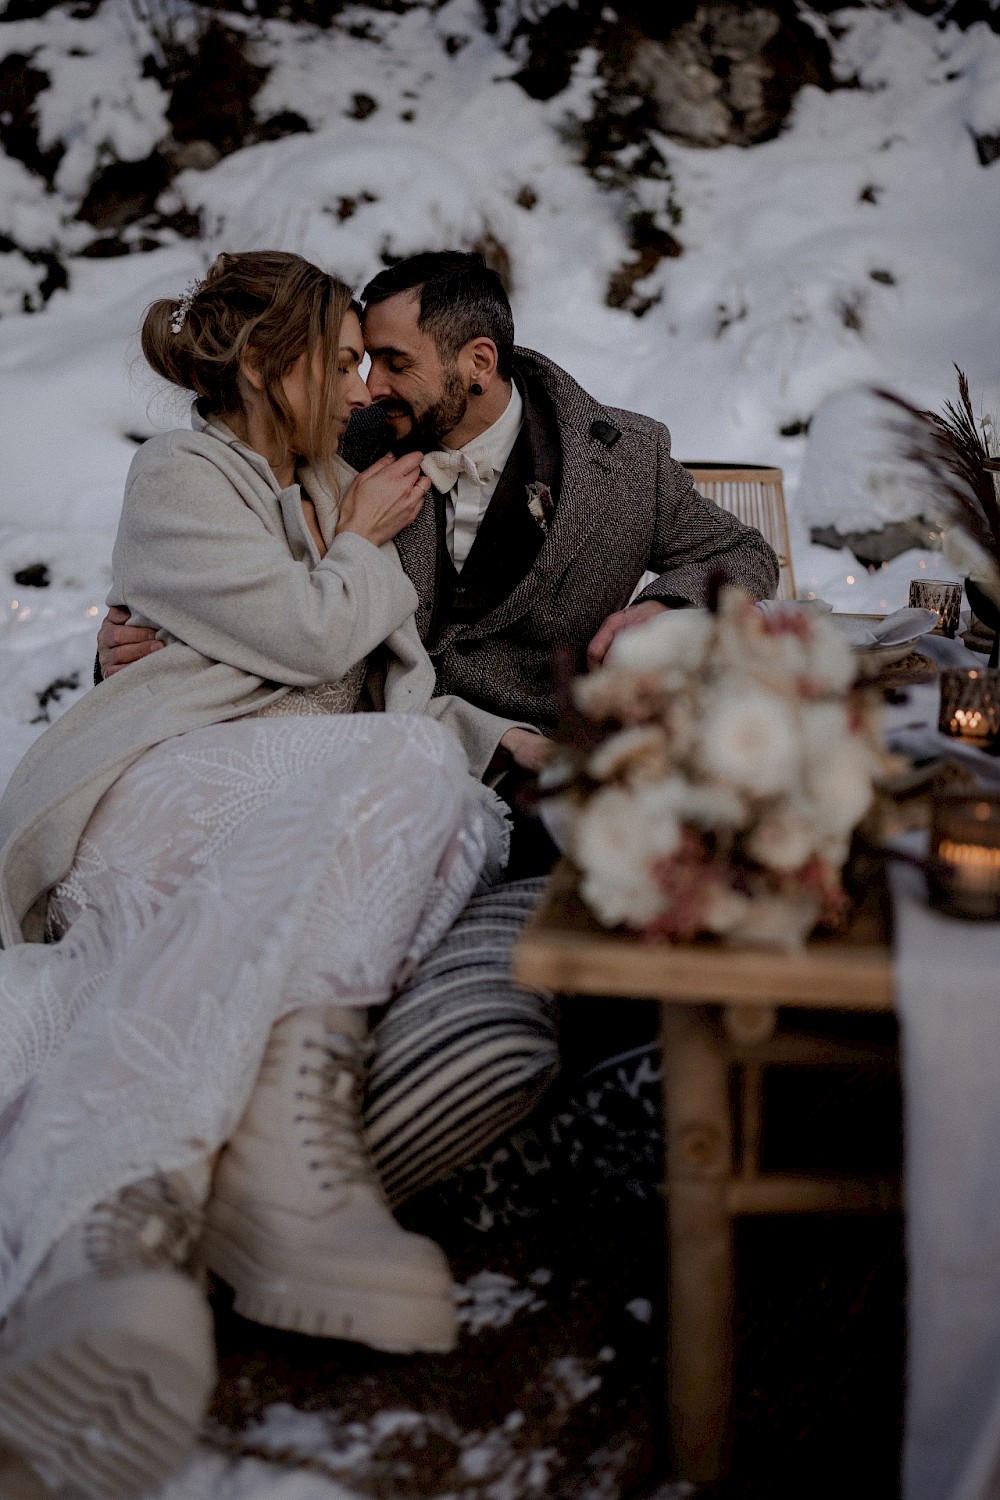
(699, 1239)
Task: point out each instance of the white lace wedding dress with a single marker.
(231, 875)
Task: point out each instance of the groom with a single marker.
(547, 508)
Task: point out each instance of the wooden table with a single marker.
(719, 1018)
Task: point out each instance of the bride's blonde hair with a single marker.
(268, 307)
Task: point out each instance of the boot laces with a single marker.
(149, 1223)
(337, 1137)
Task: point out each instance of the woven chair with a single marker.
(755, 495)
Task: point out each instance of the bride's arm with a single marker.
(195, 555)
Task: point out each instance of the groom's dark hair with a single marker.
(460, 299)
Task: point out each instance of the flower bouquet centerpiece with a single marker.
(714, 773)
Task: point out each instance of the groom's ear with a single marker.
(477, 360)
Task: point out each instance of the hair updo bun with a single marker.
(263, 307)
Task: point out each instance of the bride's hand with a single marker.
(384, 499)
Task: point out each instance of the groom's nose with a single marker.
(378, 385)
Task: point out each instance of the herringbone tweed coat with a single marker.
(624, 506)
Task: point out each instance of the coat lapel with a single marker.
(584, 503)
(417, 546)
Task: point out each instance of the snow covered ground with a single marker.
(858, 246)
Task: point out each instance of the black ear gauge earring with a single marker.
(476, 388)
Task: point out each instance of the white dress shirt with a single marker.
(466, 503)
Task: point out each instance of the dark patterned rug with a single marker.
(556, 1390)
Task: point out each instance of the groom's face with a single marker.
(422, 397)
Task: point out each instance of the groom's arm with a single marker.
(120, 643)
(694, 543)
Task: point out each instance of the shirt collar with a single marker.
(495, 444)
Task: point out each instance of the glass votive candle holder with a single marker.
(970, 704)
(964, 878)
(941, 595)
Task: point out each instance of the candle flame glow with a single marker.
(976, 855)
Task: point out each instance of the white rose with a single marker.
(771, 921)
(710, 806)
(749, 739)
(823, 725)
(639, 752)
(618, 837)
(784, 840)
(839, 785)
(675, 639)
(751, 642)
(786, 644)
(829, 660)
(725, 910)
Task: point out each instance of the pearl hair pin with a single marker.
(183, 307)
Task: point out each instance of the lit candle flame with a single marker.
(975, 867)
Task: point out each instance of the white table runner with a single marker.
(948, 1000)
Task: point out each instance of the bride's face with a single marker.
(303, 383)
(352, 393)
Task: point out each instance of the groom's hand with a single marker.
(119, 643)
(636, 614)
(528, 750)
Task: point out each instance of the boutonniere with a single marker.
(541, 504)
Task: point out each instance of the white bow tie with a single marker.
(445, 468)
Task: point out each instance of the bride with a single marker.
(196, 860)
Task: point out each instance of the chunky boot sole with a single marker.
(266, 1292)
(105, 1391)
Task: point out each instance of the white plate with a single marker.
(886, 632)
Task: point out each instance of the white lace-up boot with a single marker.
(297, 1223)
(107, 1362)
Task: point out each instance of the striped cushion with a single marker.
(462, 1054)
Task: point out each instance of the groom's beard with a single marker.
(431, 427)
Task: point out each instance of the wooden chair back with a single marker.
(756, 496)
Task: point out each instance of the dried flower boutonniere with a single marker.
(541, 504)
